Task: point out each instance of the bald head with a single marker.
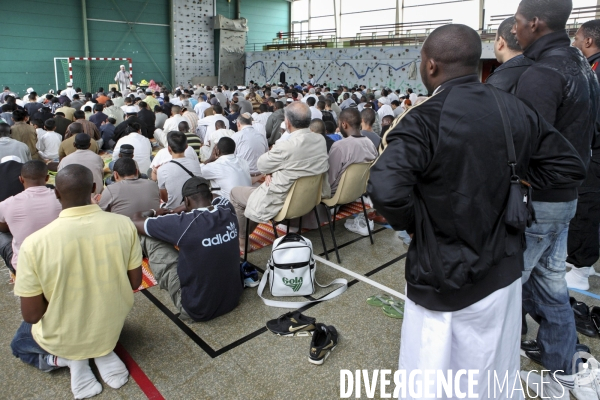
(74, 186)
(183, 127)
(76, 128)
(297, 116)
(454, 45)
(450, 51)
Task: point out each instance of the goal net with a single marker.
(89, 73)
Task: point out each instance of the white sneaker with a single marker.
(405, 237)
(577, 278)
(359, 226)
(546, 389)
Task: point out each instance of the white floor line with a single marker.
(361, 278)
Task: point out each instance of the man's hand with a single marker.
(163, 211)
(96, 198)
(268, 179)
(213, 156)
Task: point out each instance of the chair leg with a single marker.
(321, 233)
(274, 229)
(288, 226)
(247, 240)
(300, 226)
(366, 219)
(333, 216)
(337, 254)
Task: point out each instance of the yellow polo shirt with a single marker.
(80, 262)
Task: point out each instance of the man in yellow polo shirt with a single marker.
(75, 279)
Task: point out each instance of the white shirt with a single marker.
(260, 128)
(142, 150)
(307, 96)
(262, 118)
(284, 137)
(163, 156)
(413, 97)
(175, 101)
(385, 110)
(209, 122)
(227, 172)
(315, 113)
(69, 92)
(89, 103)
(250, 145)
(172, 124)
(392, 96)
(48, 144)
(201, 107)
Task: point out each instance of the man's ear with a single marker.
(588, 42)
(536, 24)
(56, 193)
(501, 43)
(93, 187)
(21, 180)
(47, 177)
(432, 67)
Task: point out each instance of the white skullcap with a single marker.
(29, 90)
(130, 110)
(311, 90)
(10, 158)
(120, 66)
(384, 100)
(69, 84)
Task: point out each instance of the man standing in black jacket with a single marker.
(582, 244)
(443, 176)
(563, 89)
(509, 54)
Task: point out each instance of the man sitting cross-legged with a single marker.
(173, 174)
(129, 194)
(73, 301)
(225, 170)
(208, 264)
(31, 209)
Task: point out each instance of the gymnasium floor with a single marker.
(234, 357)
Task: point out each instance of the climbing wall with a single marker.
(232, 40)
(371, 66)
(193, 39)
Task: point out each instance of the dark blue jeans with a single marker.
(26, 348)
(545, 294)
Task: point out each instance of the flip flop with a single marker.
(394, 310)
(379, 300)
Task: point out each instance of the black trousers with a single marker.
(583, 247)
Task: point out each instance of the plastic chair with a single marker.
(353, 184)
(304, 196)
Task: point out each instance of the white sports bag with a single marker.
(291, 272)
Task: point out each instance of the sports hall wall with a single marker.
(394, 67)
(36, 31)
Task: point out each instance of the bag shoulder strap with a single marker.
(299, 304)
(512, 158)
(184, 168)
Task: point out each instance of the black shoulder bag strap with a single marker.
(519, 209)
(187, 170)
(512, 157)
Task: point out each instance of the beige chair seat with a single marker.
(304, 196)
(352, 186)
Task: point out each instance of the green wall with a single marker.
(265, 17)
(33, 33)
(36, 31)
